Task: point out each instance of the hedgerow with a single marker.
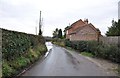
(19, 50)
(98, 49)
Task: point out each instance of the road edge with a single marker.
(91, 60)
(41, 59)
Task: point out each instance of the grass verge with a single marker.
(87, 54)
(15, 66)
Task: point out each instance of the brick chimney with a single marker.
(86, 21)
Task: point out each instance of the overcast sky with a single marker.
(23, 15)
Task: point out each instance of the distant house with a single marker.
(82, 31)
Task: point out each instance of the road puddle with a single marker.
(49, 46)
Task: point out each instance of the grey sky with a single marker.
(23, 15)
(119, 10)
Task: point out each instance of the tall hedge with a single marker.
(19, 50)
(15, 44)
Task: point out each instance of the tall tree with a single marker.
(65, 31)
(60, 33)
(118, 27)
(114, 30)
(40, 32)
(55, 33)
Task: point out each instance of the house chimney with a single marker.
(86, 21)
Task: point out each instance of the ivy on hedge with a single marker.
(20, 50)
(15, 44)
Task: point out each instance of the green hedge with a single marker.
(19, 50)
(111, 52)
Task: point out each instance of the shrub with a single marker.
(82, 46)
(101, 51)
(7, 70)
(114, 54)
(92, 46)
(67, 43)
(58, 41)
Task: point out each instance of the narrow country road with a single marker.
(61, 62)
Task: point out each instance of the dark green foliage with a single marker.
(14, 44)
(40, 32)
(110, 52)
(55, 33)
(67, 43)
(59, 33)
(118, 27)
(114, 30)
(19, 50)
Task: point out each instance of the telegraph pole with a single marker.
(36, 30)
(40, 21)
(40, 25)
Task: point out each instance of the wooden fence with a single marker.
(111, 40)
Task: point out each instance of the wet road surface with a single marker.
(62, 62)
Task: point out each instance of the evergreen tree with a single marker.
(118, 27)
(55, 33)
(114, 30)
(65, 31)
(40, 32)
(60, 33)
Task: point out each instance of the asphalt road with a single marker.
(62, 62)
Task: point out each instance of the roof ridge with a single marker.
(77, 21)
(90, 24)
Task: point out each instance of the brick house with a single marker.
(82, 31)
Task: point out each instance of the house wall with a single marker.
(85, 34)
(67, 33)
(77, 25)
(74, 27)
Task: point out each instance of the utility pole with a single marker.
(40, 25)
(40, 21)
(36, 30)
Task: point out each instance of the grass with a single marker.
(14, 67)
(87, 54)
(69, 48)
(59, 44)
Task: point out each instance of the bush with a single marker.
(101, 51)
(58, 41)
(114, 54)
(67, 43)
(7, 70)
